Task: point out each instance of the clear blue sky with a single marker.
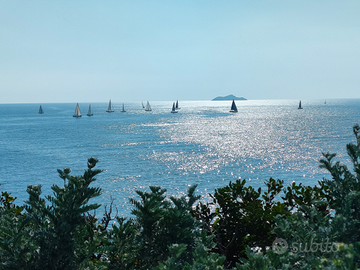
(91, 51)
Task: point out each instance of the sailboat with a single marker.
(325, 101)
(123, 108)
(173, 108)
(41, 110)
(148, 107)
(300, 105)
(142, 103)
(233, 107)
(89, 112)
(109, 108)
(177, 105)
(77, 111)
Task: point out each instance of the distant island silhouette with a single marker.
(229, 97)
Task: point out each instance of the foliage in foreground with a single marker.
(235, 230)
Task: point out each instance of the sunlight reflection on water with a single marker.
(203, 144)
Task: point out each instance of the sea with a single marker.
(203, 144)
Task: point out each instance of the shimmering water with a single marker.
(202, 144)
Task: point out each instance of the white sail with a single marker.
(148, 107)
(89, 112)
(177, 105)
(77, 111)
(109, 107)
(142, 103)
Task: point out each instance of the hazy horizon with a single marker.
(238, 102)
(90, 51)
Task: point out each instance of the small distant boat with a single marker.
(177, 105)
(89, 112)
(77, 111)
(300, 105)
(109, 107)
(123, 108)
(41, 111)
(325, 101)
(233, 107)
(142, 103)
(173, 108)
(148, 107)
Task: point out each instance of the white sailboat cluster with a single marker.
(174, 109)
(90, 113)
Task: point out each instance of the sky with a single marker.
(93, 51)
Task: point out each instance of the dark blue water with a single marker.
(202, 144)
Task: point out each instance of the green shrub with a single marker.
(52, 233)
(242, 217)
(163, 223)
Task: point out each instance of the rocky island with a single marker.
(230, 97)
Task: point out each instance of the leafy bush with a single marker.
(164, 223)
(243, 217)
(50, 233)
